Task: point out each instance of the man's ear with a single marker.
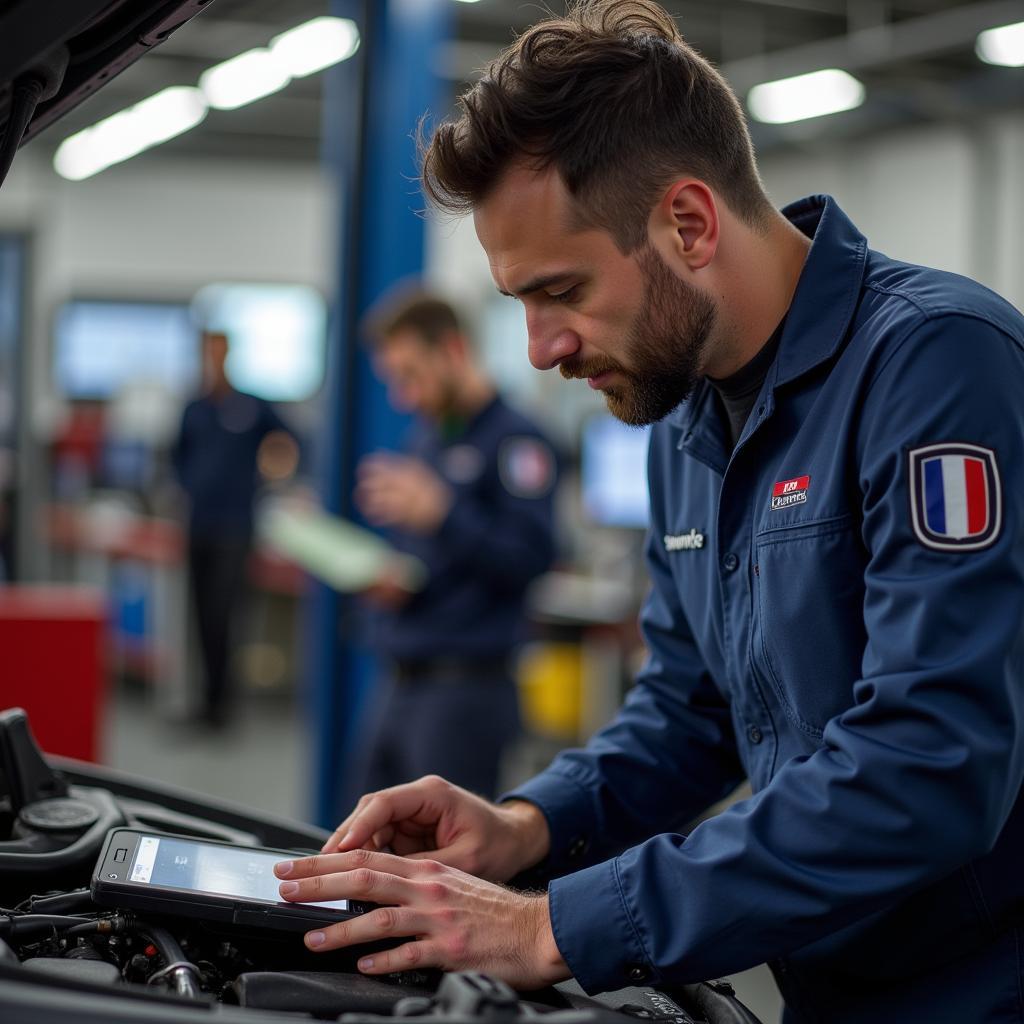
(455, 346)
(684, 225)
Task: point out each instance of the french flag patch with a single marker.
(955, 496)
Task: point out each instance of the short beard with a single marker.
(665, 346)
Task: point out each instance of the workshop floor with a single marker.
(263, 761)
(259, 761)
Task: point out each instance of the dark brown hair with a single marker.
(410, 309)
(614, 98)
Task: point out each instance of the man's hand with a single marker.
(395, 490)
(440, 916)
(389, 590)
(431, 818)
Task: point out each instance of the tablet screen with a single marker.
(196, 866)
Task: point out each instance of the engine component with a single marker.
(62, 814)
(97, 971)
(182, 975)
(324, 993)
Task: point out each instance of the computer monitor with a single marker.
(103, 346)
(278, 336)
(613, 472)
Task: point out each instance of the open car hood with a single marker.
(62, 51)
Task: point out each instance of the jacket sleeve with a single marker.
(917, 777)
(668, 755)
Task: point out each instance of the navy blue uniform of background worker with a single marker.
(837, 565)
(224, 433)
(472, 498)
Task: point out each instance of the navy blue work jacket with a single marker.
(837, 614)
(497, 537)
(215, 458)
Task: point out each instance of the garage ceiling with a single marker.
(916, 58)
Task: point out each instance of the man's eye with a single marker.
(567, 296)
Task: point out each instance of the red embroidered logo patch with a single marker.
(790, 492)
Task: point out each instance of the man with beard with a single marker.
(472, 498)
(837, 567)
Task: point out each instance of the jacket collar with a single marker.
(823, 304)
(828, 290)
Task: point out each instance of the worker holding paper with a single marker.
(471, 498)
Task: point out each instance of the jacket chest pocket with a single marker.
(809, 638)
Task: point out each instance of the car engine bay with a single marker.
(64, 958)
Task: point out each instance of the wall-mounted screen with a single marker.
(277, 336)
(613, 472)
(101, 347)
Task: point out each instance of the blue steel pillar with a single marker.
(372, 104)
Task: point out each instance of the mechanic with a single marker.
(837, 565)
(223, 437)
(472, 498)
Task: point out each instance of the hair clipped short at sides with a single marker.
(614, 98)
(410, 309)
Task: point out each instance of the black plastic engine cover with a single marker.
(323, 993)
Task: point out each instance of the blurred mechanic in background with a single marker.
(471, 497)
(225, 437)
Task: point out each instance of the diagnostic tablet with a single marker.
(202, 878)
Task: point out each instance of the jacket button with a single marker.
(754, 734)
(730, 562)
(637, 972)
(578, 847)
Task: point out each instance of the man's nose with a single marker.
(550, 346)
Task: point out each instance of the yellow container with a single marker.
(550, 688)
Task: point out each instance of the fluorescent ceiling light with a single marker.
(1003, 45)
(812, 95)
(315, 45)
(301, 51)
(129, 132)
(247, 77)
